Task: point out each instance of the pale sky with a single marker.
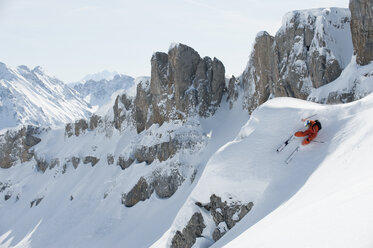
(73, 38)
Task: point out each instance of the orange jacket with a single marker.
(311, 132)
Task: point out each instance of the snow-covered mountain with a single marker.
(310, 49)
(103, 75)
(33, 97)
(177, 162)
(98, 90)
(312, 201)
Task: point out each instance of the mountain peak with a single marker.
(103, 75)
(54, 105)
(38, 69)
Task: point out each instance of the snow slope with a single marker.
(33, 97)
(321, 199)
(332, 206)
(82, 207)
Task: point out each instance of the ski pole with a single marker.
(303, 119)
(317, 141)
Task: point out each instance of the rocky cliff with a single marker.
(306, 53)
(147, 147)
(182, 84)
(362, 30)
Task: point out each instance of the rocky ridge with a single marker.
(182, 84)
(302, 56)
(32, 97)
(158, 123)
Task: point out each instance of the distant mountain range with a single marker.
(105, 74)
(31, 96)
(98, 92)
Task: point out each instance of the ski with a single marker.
(285, 143)
(287, 161)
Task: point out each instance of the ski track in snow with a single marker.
(322, 198)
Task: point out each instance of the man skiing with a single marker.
(313, 128)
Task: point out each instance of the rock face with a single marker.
(142, 104)
(362, 30)
(164, 184)
(122, 109)
(162, 152)
(260, 75)
(190, 233)
(17, 145)
(76, 128)
(182, 84)
(233, 90)
(89, 160)
(225, 215)
(303, 55)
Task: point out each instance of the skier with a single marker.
(311, 132)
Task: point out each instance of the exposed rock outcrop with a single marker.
(94, 121)
(162, 152)
(121, 106)
(362, 30)
(17, 145)
(233, 90)
(190, 233)
(225, 215)
(76, 128)
(261, 73)
(182, 84)
(36, 201)
(302, 56)
(90, 160)
(41, 163)
(124, 163)
(75, 161)
(110, 159)
(163, 183)
(142, 105)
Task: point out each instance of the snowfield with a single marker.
(322, 198)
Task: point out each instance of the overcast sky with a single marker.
(72, 38)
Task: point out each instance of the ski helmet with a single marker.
(307, 123)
